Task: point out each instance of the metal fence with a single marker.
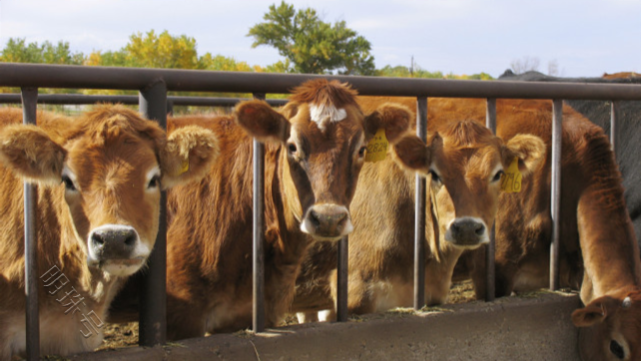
(153, 85)
(78, 99)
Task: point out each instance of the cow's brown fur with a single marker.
(467, 158)
(109, 153)
(209, 239)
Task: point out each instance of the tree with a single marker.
(520, 66)
(161, 51)
(311, 45)
(18, 51)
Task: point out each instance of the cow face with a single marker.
(610, 328)
(323, 136)
(465, 163)
(109, 168)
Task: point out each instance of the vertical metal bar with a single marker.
(258, 222)
(490, 276)
(341, 282)
(29, 108)
(153, 297)
(170, 107)
(420, 212)
(614, 114)
(555, 203)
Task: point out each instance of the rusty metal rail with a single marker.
(159, 81)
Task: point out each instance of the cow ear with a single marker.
(187, 155)
(411, 153)
(589, 315)
(261, 121)
(31, 154)
(529, 149)
(393, 118)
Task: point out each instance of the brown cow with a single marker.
(315, 148)
(610, 326)
(599, 252)
(98, 180)
(466, 163)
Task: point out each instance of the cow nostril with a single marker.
(480, 229)
(97, 239)
(314, 218)
(130, 240)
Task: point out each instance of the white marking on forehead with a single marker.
(318, 113)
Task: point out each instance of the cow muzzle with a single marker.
(327, 222)
(467, 232)
(117, 249)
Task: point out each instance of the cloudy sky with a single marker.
(584, 37)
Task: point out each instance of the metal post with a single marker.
(258, 222)
(341, 280)
(557, 120)
(29, 108)
(153, 297)
(490, 272)
(170, 107)
(614, 114)
(420, 212)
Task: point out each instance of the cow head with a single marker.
(610, 328)
(466, 163)
(109, 167)
(323, 136)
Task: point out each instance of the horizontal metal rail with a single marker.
(77, 99)
(94, 77)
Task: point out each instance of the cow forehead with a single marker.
(126, 160)
(330, 134)
(478, 161)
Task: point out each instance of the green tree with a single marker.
(18, 51)
(311, 45)
(161, 51)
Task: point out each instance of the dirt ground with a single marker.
(126, 334)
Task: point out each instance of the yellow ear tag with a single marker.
(184, 167)
(511, 180)
(377, 147)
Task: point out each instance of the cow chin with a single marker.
(123, 267)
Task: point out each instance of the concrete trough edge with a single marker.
(513, 328)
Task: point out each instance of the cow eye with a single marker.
(68, 183)
(497, 176)
(435, 177)
(154, 182)
(617, 350)
(291, 148)
(361, 152)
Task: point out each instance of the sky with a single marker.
(584, 38)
